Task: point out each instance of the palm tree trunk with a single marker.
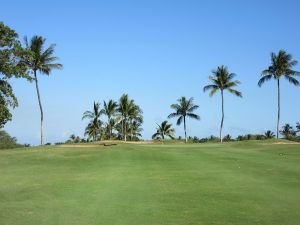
(122, 128)
(110, 128)
(278, 113)
(222, 120)
(184, 129)
(131, 131)
(125, 129)
(40, 105)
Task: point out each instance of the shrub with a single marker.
(7, 142)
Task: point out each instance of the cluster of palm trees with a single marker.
(222, 80)
(289, 132)
(124, 120)
(184, 109)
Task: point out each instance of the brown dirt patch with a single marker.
(81, 146)
(286, 143)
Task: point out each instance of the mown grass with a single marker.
(255, 182)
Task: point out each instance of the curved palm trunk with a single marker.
(278, 112)
(222, 120)
(40, 105)
(184, 129)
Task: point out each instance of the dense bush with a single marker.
(7, 142)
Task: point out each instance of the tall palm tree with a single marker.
(42, 61)
(124, 108)
(281, 66)
(269, 134)
(184, 108)
(222, 80)
(94, 127)
(110, 109)
(165, 129)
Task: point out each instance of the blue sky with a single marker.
(156, 51)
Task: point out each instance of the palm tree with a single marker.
(288, 131)
(43, 61)
(298, 127)
(95, 114)
(269, 134)
(110, 126)
(222, 80)
(94, 127)
(72, 137)
(110, 109)
(163, 130)
(281, 66)
(125, 108)
(135, 130)
(227, 137)
(135, 118)
(184, 108)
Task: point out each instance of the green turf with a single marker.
(243, 183)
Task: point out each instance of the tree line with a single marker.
(124, 118)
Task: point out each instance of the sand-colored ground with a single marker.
(286, 143)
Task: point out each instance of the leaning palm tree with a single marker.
(222, 80)
(165, 129)
(42, 61)
(269, 134)
(281, 66)
(184, 108)
(110, 109)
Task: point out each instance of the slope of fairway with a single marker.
(226, 184)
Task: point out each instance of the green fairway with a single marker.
(241, 183)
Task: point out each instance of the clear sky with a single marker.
(156, 51)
